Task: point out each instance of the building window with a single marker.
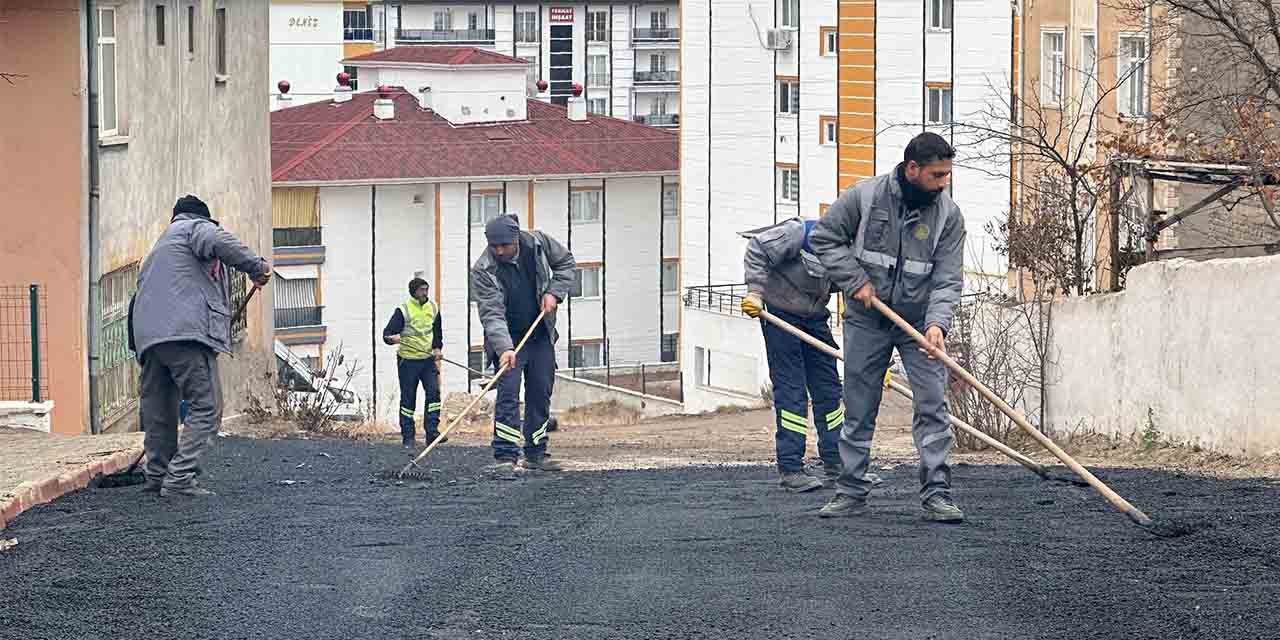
(160, 25)
(670, 193)
(597, 26)
(789, 179)
(586, 355)
(597, 71)
(789, 97)
(108, 87)
(940, 14)
(532, 76)
(473, 21)
(791, 13)
(828, 130)
(597, 106)
(1132, 71)
(356, 25)
(670, 276)
(586, 282)
(295, 303)
(220, 39)
(658, 106)
(1052, 66)
(1088, 71)
(939, 105)
(586, 206)
(670, 343)
(475, 362)
(658, 21)
(527, 26)
(354, 72)
(191, 29)
(830, 41)
(485, 207)
(658, 63)
(442, 20)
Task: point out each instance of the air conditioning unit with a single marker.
(778, 39)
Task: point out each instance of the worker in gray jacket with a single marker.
(781, 271)
(521, 274)
(179, 321)
(900, 238)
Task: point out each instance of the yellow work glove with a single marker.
(888, 377)
(752, 305)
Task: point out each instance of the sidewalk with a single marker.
(37, 467)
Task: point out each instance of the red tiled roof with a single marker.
(434, 54)
(332, 142)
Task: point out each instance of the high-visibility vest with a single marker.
(415, 338)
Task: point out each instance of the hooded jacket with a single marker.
(779, 267)
(183, 286)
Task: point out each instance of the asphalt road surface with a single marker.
(676, 553)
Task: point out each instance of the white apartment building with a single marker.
(372, 188)
(786, 103)
(626, 55)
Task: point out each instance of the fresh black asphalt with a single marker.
(677, 553)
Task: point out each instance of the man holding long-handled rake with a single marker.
(520, 279)
(900, 238)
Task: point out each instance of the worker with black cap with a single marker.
(521, 275)
(179, 321)
(415, 328)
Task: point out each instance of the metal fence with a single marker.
(647, 33)
(445, 35)
(298, 317)
(661, 379)
(727, 299)
(24, 343)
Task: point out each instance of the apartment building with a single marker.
(372, 188)
(624, 54)
(118, 109)
(785, 104)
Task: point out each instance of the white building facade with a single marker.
(801, 100)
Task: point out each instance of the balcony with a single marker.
(295, 237)
(649, 34)
(657, 77)
(659, 119)
(455, 36)
(357, 34)
(298, 317)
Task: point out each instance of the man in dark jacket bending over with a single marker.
(521, 274)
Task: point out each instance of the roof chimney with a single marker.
(342, 92)
(284, 99)
(383, 107)
(577, 105)
(424, 97)
(543, 94)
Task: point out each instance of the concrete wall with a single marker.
(574, 392)
(27, 415)
(186, 131)
(44, 196)
(1193, 342)
(723, 360)
(306, 48)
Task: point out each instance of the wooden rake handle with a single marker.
(1035, 467)
(1135, 514)
(465, 412)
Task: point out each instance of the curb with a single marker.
(36, 492)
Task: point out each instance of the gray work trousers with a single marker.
(869, 342)
(171, 372)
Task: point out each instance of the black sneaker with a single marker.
(540, 464)
(941, 508)
(553, 424)
(843, 505)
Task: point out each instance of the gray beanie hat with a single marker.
(502, 230)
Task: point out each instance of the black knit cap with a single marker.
(192, 205)
(415, 283)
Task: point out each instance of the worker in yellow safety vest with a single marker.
(415, 327)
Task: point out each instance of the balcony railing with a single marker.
(299, 317)
(659, 119)
(727, 299)
(647, 34)
(296, 237)
(445, 35)
(658, 76)
(361, 35)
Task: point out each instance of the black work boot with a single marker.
(799, 482)
(843, 505)
(540, 463)
(192, 490)
(941, 508)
